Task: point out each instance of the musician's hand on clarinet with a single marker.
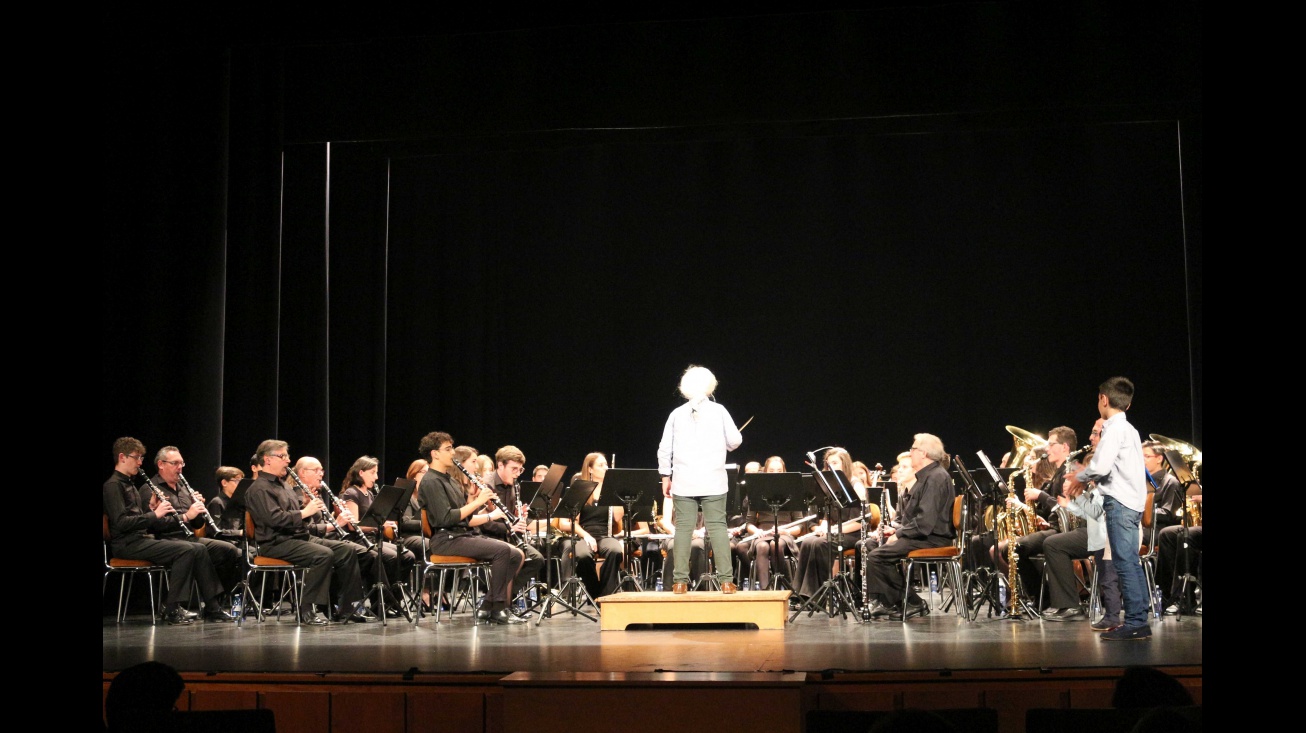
(484, 495)
(496, 514)
(312, 508)
(194, 510)
(520, 526)
(161, 508)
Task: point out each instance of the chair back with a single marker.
(105, 533)
(959, 514)
(426, 525)
(249, 526)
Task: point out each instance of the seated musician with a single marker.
(230, 519)
(593, 528)
(1168, 506)
(509, 462)
(227, 559)
(926, 521)
(1060, 552)
(453, 516)
(1043, 499)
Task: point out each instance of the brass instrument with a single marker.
(1011, 522)
(1192, 509)
(1023, 443)
(1192, 456)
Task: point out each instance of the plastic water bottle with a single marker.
(1156, 600)
(237, 606)
(1002, 594)
(934, 582)
(533, 592)
(659, 585)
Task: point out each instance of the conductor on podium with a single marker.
(692, 462)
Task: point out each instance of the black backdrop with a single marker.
(868, 224)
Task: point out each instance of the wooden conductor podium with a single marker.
(767, 609)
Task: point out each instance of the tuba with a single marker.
(1023, 443)
(1192, 456)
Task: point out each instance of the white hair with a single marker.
(697, 383)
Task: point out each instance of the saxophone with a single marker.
(1019, 522)
(1012, 557)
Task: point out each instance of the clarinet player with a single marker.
(453, 517)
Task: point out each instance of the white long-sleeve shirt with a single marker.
(1117, 464)
(693, 449)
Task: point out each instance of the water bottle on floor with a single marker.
(237, 605)
(934, 582)
(658, 587)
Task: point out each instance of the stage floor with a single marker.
(569, 643)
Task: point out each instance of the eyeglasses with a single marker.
(282, 456)
(178, 464)
(1097, 432)
(135, 457)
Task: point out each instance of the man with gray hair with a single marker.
(925, 520)
(692, 461)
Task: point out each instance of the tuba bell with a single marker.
(1024, 442)
(1192, 456)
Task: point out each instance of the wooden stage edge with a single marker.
(544, 702)
(765, 609)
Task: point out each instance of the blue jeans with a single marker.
(1122, 534)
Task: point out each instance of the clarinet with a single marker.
(343, 511)
(327, 516)
(163, 497)
(197, 496)
(509, 519)
(879, 529)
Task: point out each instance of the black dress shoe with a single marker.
(879, 610)
(188, 614)
(1066, 614)
(218, 617)
(313, 618)
(912, 610)
(482, 614)
(504, 617)
(178, 617)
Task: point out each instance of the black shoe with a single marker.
(796, 602)
(504, 617)
(879, 610)
(188, 614)
(913, 610)
(482, 614)
(1066, 614)
(218, 617)
(178, 617)
(313, 617)
(1128, 633)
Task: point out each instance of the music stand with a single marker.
(775, 491)
(544, 501)
(626, 495)
(389, 500)
(569, 506)
(833, 596)
(629, 486)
